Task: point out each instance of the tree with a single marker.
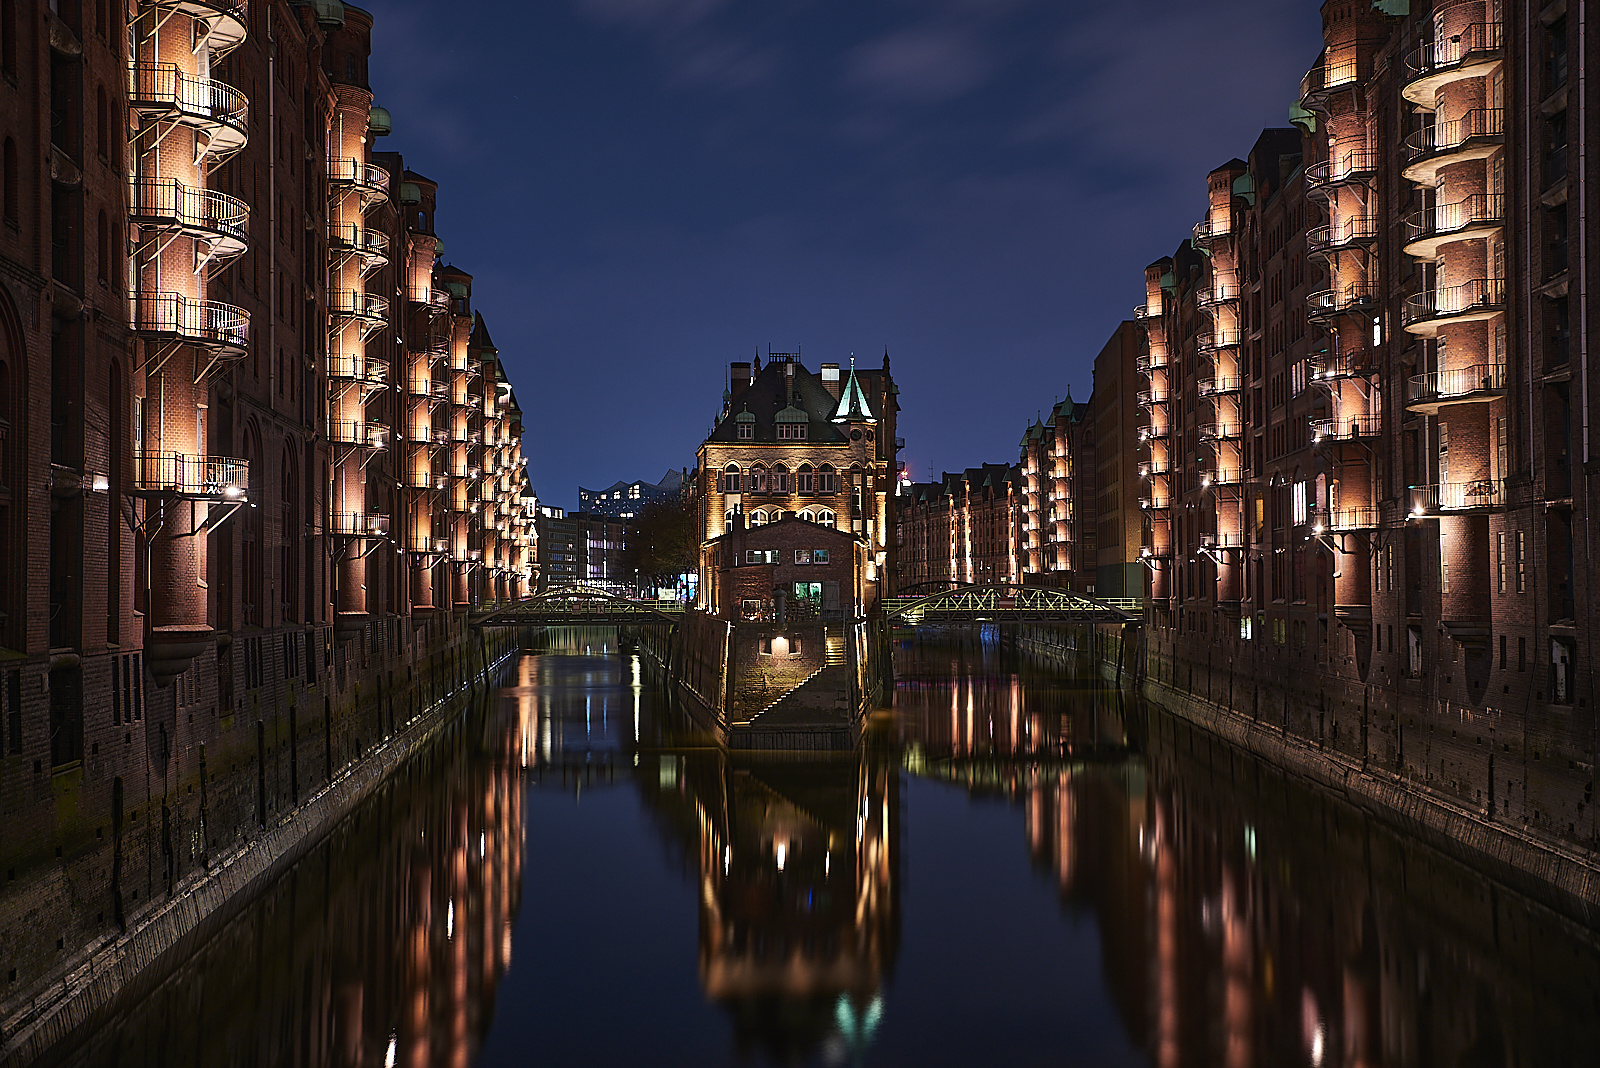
(661, 544)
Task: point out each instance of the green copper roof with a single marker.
(1392, 7)
(853, 402)
(791, 414)
(1245, 186)
(747, 416)
(1302, 118)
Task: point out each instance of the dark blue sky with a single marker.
(645, 190)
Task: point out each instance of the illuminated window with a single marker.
(805, 481)
(758, 518)
(819, 556)
(802, 556)
(730, 479)
(808, 515)
(826, 518)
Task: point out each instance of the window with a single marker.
(1444, 564)
(808, 515)
(1522, 561)
(761, 556)
(780, 479)
(728, 519)
(747, 431)
(751, 608)
(730, 479)
(819, 556)
(826, 518)
(1500, 575)
(758, 479)
(791, 431)
(758, 518)
(802, 556)
(804, 479)
(827, 481)
(12, 193)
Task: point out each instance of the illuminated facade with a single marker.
(1367, 410)
(966, 528)
(259, 453)
(1058, 470)
(818, 446)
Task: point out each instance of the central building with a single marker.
(790, 444)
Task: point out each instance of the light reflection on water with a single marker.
(1010, 869)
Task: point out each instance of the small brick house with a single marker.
(792, 568)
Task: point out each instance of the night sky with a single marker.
(645, 190)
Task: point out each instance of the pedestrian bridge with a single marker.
(1009, 603)
(578, 606)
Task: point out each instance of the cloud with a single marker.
(924, 64)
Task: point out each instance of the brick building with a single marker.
(258, 447)
(815, 571)
(965, 528)
(1368, 411)
(821, 446)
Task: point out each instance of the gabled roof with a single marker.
(480, 334)
(773, 392)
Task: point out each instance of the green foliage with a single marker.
(661, 544)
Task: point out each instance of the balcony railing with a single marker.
(370, 180)
(354, 368)
(1352, 231)
(424, 387)
(1346, 428)
(1351, 298)
(1222, 541)
(1156, 502)
(1154, 466)
(359, 524)
(1220, 431)
(1147, 397)
(1212, 340)
(1436, 63)
(1483, 380)
(370, 309)
(1332, 74)
(1146, 362)
(1427, 230)
(206, 323)
(1477, 299)
(1143, 313)
(1343, 519)
(372, 246)
(1218, 385)
(1158, 432)
(217, 111)
(173, 473)
(1342, 168)
(359, 434)
(203, 214)
(226, 22)
(1226, 476)
(1473, 135)
(1478, 495)
(1224, 290)
(1208, 232)
(1337, 365)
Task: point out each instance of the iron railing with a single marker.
(1480, 493)
(1459, 382)
(1451, 136)
(1354, 166)
(369, 178)
(203, 101)
(1476, 212)
(222, 477)
(167, 200)
(1346, 428)
(207, 323)
(355, 304)
(359, 524)
(361, 434)
(1477, 297)
(1481, 40)
(1349, 232)
(1351, 297)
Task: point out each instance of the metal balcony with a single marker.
(1432, 65)
(1220, 431)
(370, 247)
(223, 25)
(1155, 466)
(1475, 135)
(1220, 291)
(1157, 432)
(1213, 542)
(369, 311)
(209, 324)
(1350, 232)
(1218, 385)
(1334, 366)
(361, 435)
(1343, 520)
(1150, 397)
(367, 179)
(1467, 385)
(174, 474)
(352, 368)
(1357, 167)
(1146, 362)
(1474, 218)
(359, 525)
(1225, 476)
(1457, 498)
(1346, 428)
(1143, 314)
(1479, 299)
(1355, 298)
(1207, 341)
(218, 113)
(1333, 74)
(1208, 232)
(216, 220)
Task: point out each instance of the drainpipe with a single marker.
(1583, 365)
(272, 206)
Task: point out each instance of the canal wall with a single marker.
(804, 686)
(226, 802)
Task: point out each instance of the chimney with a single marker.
(738, 378)
(830, 380)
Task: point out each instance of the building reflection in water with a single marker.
(1246, 918)
(384, 945)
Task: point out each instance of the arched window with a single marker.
(826, 518)
(827, 481)
(758, 479)
(808, 515)
(780, 478)
(804, 479)
(730, 479)
(728, 518)
(758, 518)
(289, 562)
(8, 37)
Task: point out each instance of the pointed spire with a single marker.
(853, 406)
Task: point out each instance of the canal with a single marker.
(1012, 870)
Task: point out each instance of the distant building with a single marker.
(1058, 470)
(965, 528)
(625, 500)
(581, 549)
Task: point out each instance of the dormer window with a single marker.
(792, 424)
(791, 431)
(746, 422)
(747, 431)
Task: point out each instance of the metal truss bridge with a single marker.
(1009, 603)
(578, 606)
